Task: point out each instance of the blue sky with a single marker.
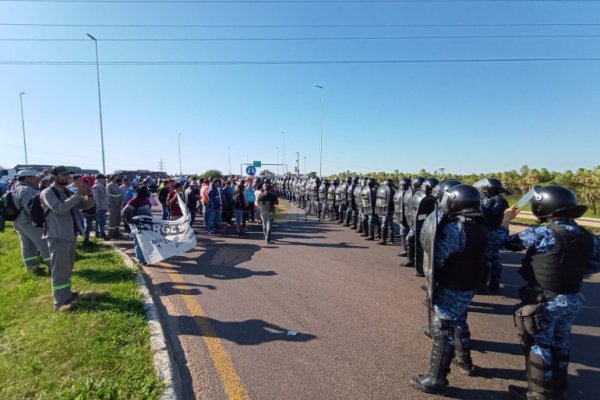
(464, 117)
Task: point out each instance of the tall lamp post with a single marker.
(321, 157)
(99, 103)
(23, 123)
(179, 145)
(277, 147)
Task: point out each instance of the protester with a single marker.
(240, 205)
(61, 229)
(163, 192)
(267, 201)
(191, 195)
(250, 198)
(115, 203)
(138, 206)
(101, 199)
(32, 245)
(173, 198)
(89, 215)
(227, 200)
(213, 206)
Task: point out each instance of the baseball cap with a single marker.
(27, 172)
(60, 169)
(100, 176)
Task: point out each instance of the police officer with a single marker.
(411, 236)
(344, 200)
(401, 217)
(352, 210)
(32, 244)
(372, 219)
(388, 219)
(555, 262)
(323, 199)
(459, 264)
(493, 207)
(422, 203)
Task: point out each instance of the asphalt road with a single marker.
(324, 314)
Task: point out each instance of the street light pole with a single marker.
(99, 103)
(321, 157)
(277, 147)
(23, 123)
(305, 166)
(179, 145)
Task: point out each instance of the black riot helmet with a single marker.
(439, 190)
(371, 182)
(490, 187)
(355, 180)
(417, 182)
(349, 180)
(336, 181)
(555, 201)
(388, 182)
(429, 184)
(461, 200)
(318, 181)
(405, 183)
(326, 182)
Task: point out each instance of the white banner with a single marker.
(161, 239)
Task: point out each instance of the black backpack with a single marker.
(36, 210)
(8, 208)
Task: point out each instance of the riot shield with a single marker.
(382, 200)
(421, 206)
(321, 193)
(330, 195)
(399, 205)
(340, 194)
(428, 240)
(357, 197)
(406, 205)
(365, 200)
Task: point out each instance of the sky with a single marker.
(394, 95)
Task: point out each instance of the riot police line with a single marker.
(451, 233)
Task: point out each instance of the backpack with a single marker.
(8, 208)
(36, 210)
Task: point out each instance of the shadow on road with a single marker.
(246, 333)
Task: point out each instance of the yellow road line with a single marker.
(231, 381)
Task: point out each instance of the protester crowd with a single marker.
(50, 209)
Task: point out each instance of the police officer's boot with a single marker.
(462, 356)
(365, 229)
(560, 365)
(494, 281)
(371, 235)
(403, 246)
(441, 357)
(384, 235)
(538, 387)
(410, 256)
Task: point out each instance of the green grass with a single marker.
(100, 351)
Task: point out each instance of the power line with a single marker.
(301, 38)
(297, 62)
(298, 1)
(260, 26)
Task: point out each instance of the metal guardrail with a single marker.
(584, 221)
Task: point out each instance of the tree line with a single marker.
(584, 182)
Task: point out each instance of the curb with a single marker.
(163, 365)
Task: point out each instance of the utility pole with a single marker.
(161, 165)
(297, 164)
(304, 165)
